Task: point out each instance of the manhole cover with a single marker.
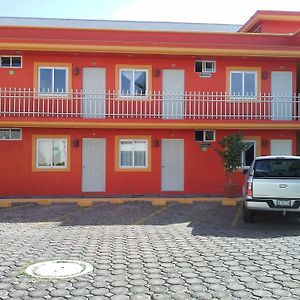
(59, 269)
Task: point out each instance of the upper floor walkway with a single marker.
(81, 105)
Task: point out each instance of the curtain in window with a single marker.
(126, 148)
(140, 153)
(44, 153)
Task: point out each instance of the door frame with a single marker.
(181, 188)
(84, 167)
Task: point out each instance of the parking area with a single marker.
(139, 251)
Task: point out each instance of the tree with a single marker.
(231, 150)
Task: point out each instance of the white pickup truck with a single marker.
(272, 184)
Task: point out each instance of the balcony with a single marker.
(155, 105)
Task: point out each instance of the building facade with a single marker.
(92, 108)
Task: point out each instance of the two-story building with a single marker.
(92, 108)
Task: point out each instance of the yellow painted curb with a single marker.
(159, 202)
(184, 201)
(43, 202)
(85, 203)
(5, 204)
(229, 202)
(117, 201)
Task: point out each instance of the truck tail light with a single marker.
(249, 190)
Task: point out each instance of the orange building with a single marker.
(92, 108)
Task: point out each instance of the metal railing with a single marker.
(153, 105)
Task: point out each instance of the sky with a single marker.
(193, 11)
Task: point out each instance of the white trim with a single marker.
(133, 142)
(10, 129)
(65, 166)
(243, 72)
(52, 68)
(11, 66)
(132, 93)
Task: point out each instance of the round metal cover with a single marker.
(59, 269)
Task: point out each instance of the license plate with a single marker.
(283, 203)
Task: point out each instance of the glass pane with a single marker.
(140, 148)
(5, 61)
(250, 153)
(4, 134)
(45, 80)
(209, 135)
(59, 153)
(249, 84)
(16, 61)
(140, 145)
(60, 80)
(126, 149)
(126, 82)
(236, 84)
(140, 83)
(44, 153)
(139, 158)
(16, 134)
(277, 168)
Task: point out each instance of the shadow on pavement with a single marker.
(200, 219)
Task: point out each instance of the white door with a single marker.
(93, 164)
(282, 90)
(93, 85)
(281, 147)
(172, 165)
(173, 94)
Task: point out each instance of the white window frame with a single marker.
(204, 68)
(132, 94)
(51, 92)
(10, 135)
(243, 72)
(51, 166)
(133, 166)
(11, 64)
(243, 160)
(208, 140)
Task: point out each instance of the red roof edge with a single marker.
(267, 14)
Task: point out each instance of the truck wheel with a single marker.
(248, 215)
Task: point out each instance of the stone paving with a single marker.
(141, 252)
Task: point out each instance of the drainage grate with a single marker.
(57, 269)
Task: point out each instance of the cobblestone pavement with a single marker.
(139, 251)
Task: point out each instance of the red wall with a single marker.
(24, 77)
(203, 170)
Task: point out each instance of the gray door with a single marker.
(281, 89)
(172, 165)
(93, 85)
(173, 94)
(281, 147)
(93, 165)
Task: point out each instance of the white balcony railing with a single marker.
(109, 104)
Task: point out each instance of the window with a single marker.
(205, 135)
(11, 62)
(52, 79)
(205, 66)
(243, 83)
(133, 153)
(51, 153)
(133, 82)
(249, 153)
(10, 134)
